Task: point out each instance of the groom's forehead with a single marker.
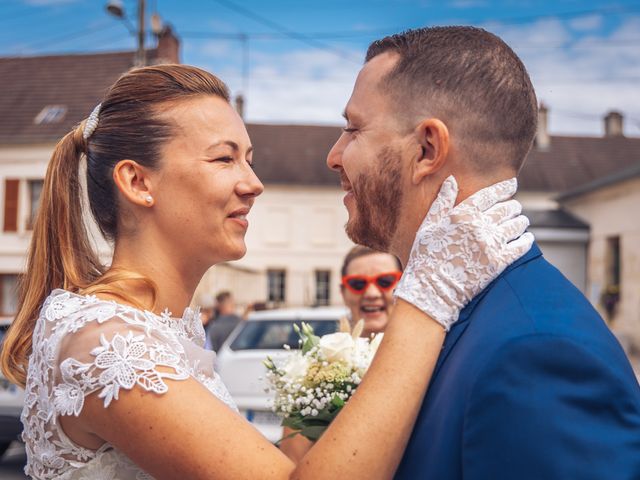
(375, 70)
(367, 95)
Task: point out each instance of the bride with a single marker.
(117, 387)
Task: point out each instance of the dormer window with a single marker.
(50, 114)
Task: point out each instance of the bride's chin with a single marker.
(237, 253)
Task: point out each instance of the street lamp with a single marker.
(116, 8)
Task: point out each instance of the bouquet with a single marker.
(314, 383)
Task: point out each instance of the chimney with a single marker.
(543, 140)
(168, 46)
(613, 122)
(240, 105)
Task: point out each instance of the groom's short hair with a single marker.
(471, 80)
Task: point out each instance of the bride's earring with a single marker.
(148, 199)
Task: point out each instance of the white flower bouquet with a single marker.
(314, 383)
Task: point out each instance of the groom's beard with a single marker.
(378, 197)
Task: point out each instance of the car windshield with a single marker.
(273, 334)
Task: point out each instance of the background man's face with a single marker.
(369, 156)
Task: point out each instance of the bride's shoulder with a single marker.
(71, 311)
(71, 324)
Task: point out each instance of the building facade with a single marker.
(610, 205)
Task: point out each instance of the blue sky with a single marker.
(300, 58)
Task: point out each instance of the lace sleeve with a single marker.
(111, 355)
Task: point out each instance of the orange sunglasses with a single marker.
(358, 284)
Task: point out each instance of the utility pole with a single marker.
(142, 54)
(116, 8)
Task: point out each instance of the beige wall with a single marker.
(296, 228)
(614, 211)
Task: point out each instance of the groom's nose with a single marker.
(334, 159)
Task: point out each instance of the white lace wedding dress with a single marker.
(84, 345)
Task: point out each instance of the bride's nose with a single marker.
(249, 184)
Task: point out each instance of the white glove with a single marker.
(459, 250)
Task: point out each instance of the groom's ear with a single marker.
(433, 138)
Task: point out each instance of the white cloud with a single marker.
(587, 22)
(580, 80)
(303, 86)
(217, 48)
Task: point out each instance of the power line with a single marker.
(336, 36)
(25, 13)
(99, 26)
(287, 32)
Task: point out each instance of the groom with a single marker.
(530, 384)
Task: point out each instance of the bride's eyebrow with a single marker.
(229, 143)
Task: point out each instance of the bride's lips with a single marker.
(239, 217)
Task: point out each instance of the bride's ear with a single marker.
(432, 137)
(134, 182)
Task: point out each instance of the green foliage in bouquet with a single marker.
(314, 383)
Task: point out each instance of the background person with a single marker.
(368, 280)
(225, 319)
(206, 303)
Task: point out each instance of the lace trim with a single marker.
(123, 361)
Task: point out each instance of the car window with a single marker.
(273, 334)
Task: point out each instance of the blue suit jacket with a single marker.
(531, 384)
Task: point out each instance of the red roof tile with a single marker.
(29, 84)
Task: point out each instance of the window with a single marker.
(35, 190)
(323, 287)
(613, 261)
(273, 334)
(50, 114)
(8, 293)
(11, 191)
(276, 285)
(611, 293)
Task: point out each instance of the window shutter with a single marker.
(11, 187)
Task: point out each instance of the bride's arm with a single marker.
(188, 433)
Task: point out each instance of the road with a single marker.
(12, 463)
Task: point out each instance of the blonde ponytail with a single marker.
(60, 254)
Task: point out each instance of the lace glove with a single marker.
(459, 250)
